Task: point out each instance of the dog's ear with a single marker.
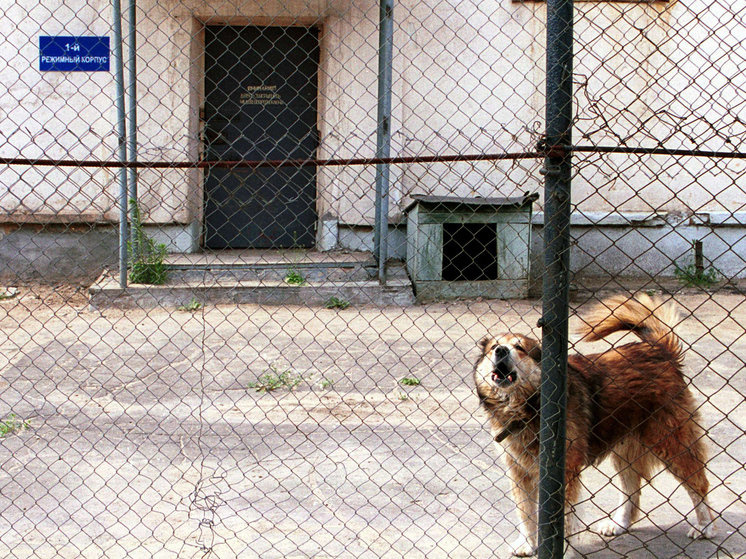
(533, 349)
(486, 343)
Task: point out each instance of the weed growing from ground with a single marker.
(410, 381)
(325, 384)
(336, 303)
(294, 277)
(276, 380)
(191, 306)
(12, 425)
(147, 258)
(8, 293)
(690, 276)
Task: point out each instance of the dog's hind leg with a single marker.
(684, 454)
(632, 463)
(689, 469)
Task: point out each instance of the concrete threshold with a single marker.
(269, 258)
(263, 278)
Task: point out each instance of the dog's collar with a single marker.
(512, 428)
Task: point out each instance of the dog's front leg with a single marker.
(632, 462)
(525, 496)
(629, 504)
(573, 489)
(527, 541)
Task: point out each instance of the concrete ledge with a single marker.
(428, 291)
(56, 253)
(650, 219)
(106, 293)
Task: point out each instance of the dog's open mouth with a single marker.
(503, 373)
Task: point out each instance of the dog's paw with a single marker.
(522, 548)
(611, 528)
(697, 532)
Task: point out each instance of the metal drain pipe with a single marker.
(121, 137)
(383, 135)
(132, 117)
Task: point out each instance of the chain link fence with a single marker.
(249, 249)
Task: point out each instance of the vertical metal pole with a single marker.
(132, 118)
(699, 259)
(383, 140)
(552, 437)
(121, 138)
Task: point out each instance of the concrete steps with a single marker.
(264, 278)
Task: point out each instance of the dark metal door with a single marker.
(260, 104)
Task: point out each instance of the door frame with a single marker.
(196, 126)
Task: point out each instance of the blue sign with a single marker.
(74, 54)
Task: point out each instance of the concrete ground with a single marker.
(149, 435)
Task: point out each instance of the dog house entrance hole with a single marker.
(469, 251)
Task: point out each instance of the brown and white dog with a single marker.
(630, 403)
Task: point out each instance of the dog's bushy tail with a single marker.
(652, 320)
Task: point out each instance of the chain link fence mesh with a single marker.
(256, 390)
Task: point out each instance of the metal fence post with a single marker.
(118, 56)
(556, 279)
(383, 136)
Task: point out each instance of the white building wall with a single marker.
(653, 75)
(468, 78)
(53, 116)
